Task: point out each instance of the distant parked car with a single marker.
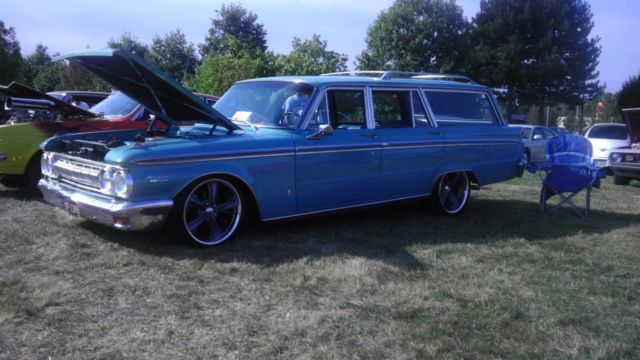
(25, 104)
(604, 138)
(535, 139)
(625, 162)
(19, 143)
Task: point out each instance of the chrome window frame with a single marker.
(304, 125)
(497, 118)
(410, 90)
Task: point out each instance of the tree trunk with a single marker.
(581, 121)
(509, 103)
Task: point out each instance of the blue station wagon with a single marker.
(278, 147)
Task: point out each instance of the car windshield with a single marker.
(612, 132)
(115, 105)
(266, 103)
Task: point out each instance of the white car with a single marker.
(604, 138)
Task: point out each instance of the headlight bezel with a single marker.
(615, 157)
(122, 183)
(115, 181)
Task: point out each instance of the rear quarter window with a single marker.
(459, 107)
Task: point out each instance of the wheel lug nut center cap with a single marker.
(209, 210)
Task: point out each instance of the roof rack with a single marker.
(394, 74)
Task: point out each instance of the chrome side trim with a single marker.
(203, 158)
(484, 143)
(347, 207)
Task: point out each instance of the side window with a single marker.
(450, 107)
(143, 115)
(346, 109)
(419, 113)
(392, 108)
(525, 132)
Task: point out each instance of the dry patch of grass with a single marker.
(499, 281)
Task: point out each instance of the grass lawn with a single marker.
(499, 281)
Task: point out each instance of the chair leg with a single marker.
(586, 215)
(567, 200)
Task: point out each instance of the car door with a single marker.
(538, 145)
(412, 149)
(343, 168)
(476, 138)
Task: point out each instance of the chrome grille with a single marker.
(80, 172)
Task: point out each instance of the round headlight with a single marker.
(105, 181)
(616, 157)
(122, 184)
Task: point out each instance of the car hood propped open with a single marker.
(21, 97)
(148, 85)
(632, 117)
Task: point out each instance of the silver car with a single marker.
(535, 139)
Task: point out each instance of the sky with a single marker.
(68, 25)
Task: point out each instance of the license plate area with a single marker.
(71, 207)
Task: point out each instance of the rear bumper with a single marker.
(119, 214)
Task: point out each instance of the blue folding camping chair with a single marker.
(567, 171)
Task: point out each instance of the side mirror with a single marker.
(537, 137)
(323, 129)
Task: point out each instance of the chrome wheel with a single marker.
(211, 211)
(453, 192)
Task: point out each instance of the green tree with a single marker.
(417, 35)
(49, 75)
(33, 64)
(310, 57)
(629, 95)
(234, 26)
(10, 58)
(538, 51)
(73, 77)
(173, 55)
(129, 43)
(219, 71)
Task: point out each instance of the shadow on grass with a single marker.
(383, 233)
(21, 194)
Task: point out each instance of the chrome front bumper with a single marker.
(116, 213)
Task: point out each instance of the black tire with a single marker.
(209, 212)
(621, 180)
(33, 174)
(12, 181)
(451, 194)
